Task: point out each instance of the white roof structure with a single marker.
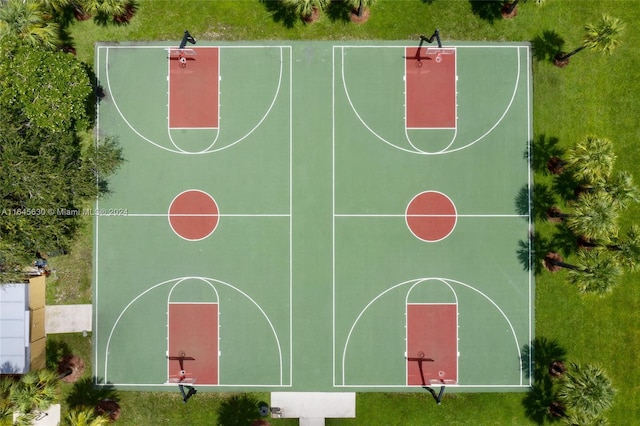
(14, 328)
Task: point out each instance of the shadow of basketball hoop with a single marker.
(420, 359)
(181, 358)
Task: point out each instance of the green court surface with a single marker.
(302, 235)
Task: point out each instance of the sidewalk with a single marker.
(67, 318)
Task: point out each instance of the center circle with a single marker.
(431, 216)
(193, 215)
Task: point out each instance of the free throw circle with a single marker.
(431, 216)
(193, 215)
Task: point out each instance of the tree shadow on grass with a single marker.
(537, 401)
(542, 197)
(281, 13)
(488, 10)
(56, 350)
(66, 41)
(565, 240)
(547, 45)
(339, 11)
(86, 394)
(565, 186)
(543, 352)
(238, 410)
(544, 148)
(97, 93)
(531, 252)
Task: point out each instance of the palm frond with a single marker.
(604, 35)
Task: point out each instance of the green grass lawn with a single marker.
(593, 95)
(70, 279)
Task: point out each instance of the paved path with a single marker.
(67, 318)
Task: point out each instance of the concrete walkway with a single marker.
(313, 407)
(67, 318)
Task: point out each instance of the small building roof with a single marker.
(14, 328)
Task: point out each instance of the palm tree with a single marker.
(594, 216)
(591, 160)
(6, 409)
(586, 391)
(579, 419)
(598, 272)
(238, 410)
(119, 11)
(307, 9)
(55, 6)
(361, 6)
(595, 272)
(36, 390)
(85, 417)
(26, 20)
(627, 251)
(603, 36)
(623, 190)
(108, 8)
(509, 10)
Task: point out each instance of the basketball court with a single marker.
(315, 217)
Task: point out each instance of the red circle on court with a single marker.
(431, 216)
(193, 215)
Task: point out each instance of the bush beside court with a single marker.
(596, 94)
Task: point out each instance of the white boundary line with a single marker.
(530, 183)
(96, 244)
(169, 303)
(290, 214)
(333, 212)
